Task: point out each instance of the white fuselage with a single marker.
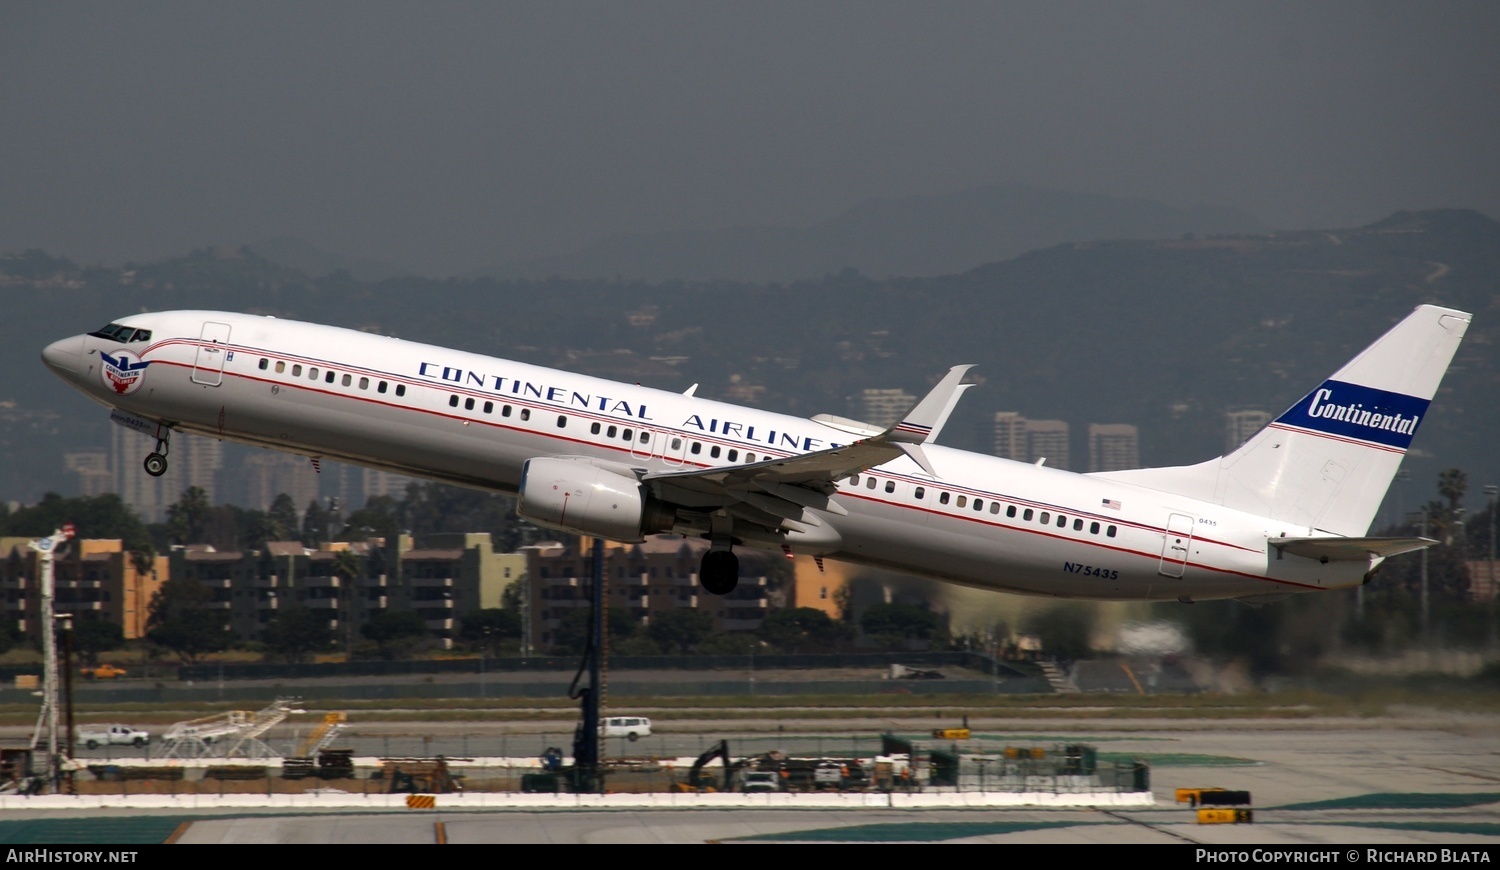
(469, 419)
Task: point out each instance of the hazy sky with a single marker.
(446, 136)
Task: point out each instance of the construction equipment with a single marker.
(336, 764)
(322, 736)
(425, 775)
(235, 734)
(698, 781)
(1220, 797)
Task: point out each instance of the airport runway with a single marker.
(1422, 779)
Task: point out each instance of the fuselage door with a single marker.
(1174, 549)
(642, 443)
(213, 347)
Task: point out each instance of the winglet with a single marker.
(925, 421)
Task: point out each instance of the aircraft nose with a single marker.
(63, 357)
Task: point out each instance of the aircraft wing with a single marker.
(776, 490)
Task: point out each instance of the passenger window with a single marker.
(347, 380)
(943, 499)
(1077, 525)
(1062, 521)
(280, 367)
(1026, 515)
(627, 434)
(714, 451)
(610, 432)
(1093, 528)
(978, 504)
(734, 455)
(297, 370)
(1045, 518)
(328, 377)
(921, 492)
(263, 363)
(380, 387)
(749, 457)
(676, 443)
(890, 486)
(869, 483)
(505, 410)
(1109, 532)
(525, 413)
(645, 436)
(488, 407)
(312, 373)
(453, 401)
(562, 421)
(963, 500)
(469, 404)
(1010, 510)
(364, 383)
(854, 480)
(994, 507)
(697, 447)
(401, 389)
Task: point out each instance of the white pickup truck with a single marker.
(94, 736)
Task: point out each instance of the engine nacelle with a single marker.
(580, 495)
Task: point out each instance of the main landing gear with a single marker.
(720, 571)
(156, 463)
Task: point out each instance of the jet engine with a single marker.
(587, 497)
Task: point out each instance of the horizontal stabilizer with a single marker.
(851, 427)
(1336, 549)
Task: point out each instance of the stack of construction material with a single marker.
(297, 767)
(235, 772)
(336, 763)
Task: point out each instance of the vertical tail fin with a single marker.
(1327, 461)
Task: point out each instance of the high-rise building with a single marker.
(203, 458)
(1029, 440)
(268, 474)
(385, 483)
(1010, 436)
(884, 407)
(1240, 425)
(92, 468)
(1114, 447)
(1048, 439)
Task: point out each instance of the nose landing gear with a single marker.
(156, 463)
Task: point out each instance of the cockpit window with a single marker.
(122, 334)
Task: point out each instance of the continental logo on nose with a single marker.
(1362, 413)
(123, 373)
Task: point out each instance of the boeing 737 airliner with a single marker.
(1286, 512)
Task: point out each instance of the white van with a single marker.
(632, 727)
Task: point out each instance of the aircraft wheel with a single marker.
(156, 465)
(720, 571)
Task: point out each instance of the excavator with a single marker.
(703, 783)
